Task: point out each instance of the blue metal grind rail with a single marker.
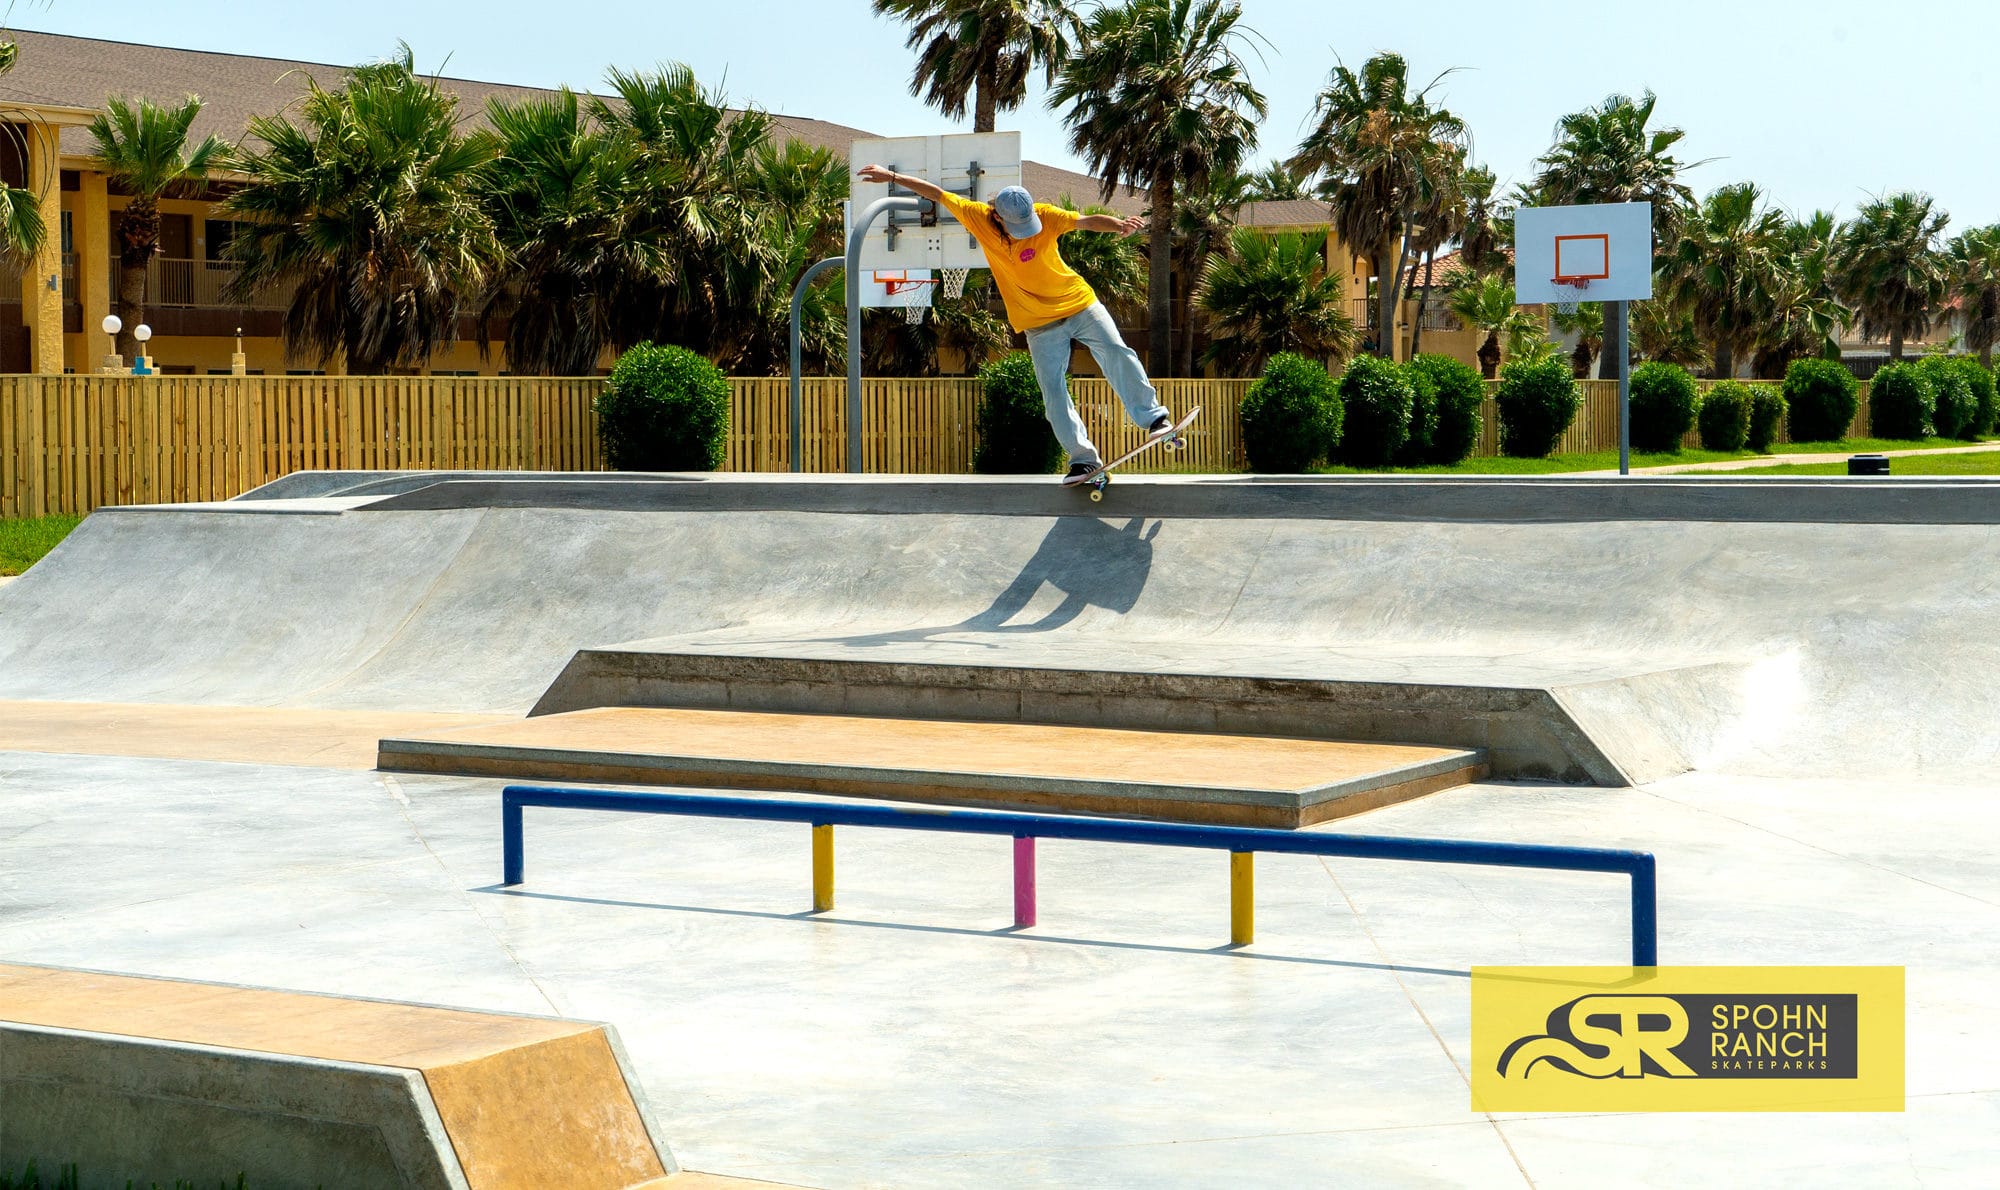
(1241, 842)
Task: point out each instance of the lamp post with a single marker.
(142, 365)
(114, 364)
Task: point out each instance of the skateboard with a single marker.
(1100, 478)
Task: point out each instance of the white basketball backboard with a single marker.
(1606, 247)
(975, 164)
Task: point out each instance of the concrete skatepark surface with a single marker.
(1818, 654)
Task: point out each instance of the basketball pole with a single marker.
(1615, 330)
(854, 238)
(798, 352)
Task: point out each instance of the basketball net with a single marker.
(1577, 288)
(954, 282)
(914, 314)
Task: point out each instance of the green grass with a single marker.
(1982, 463)
(1600, 460)
(1873, 446)
(23, 542)
(1607, 460)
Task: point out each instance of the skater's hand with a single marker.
(1130, 225)
(877, 173)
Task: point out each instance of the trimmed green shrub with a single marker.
(1901, 403)
(1459, 392)
(1985, 404)
(1819, 400)
(1538, 399)
(664, 409)
(1416, 448)
(1663, 403)
(1724, 417)
(1767, 413)
(1378, 400)
(1291, 416)
(1955, 408)
(1014, 433)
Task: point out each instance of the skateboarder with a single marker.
(1050, 304)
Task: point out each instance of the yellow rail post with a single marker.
(822, 868)
(1242, 897)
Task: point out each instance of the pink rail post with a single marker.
(1024, 881)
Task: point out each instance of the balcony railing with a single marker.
(197, 284)
(1436, 317)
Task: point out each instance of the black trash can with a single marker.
(1868, 465)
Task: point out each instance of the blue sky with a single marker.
(1822, 103)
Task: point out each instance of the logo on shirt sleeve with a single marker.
(1027, 254)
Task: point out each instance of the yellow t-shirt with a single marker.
(1033, 280)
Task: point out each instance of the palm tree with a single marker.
(1489, 224)
(1975, 266)
(1203, 219)
(368, 207)
(797, 190)
(559, 197)
(1385, 155)
(22, 229)
(1486, 304)
(1608, 153)
(1723, 267)
(1805, 316)
(982, 48)
(1586, 322)
(1886, 264)
(695, 184)
(143, 149)
(1275, 183)
(1273, 293)
(1159, 99)
(1444, 219)
(1665, 332)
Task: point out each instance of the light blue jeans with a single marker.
(1049, 347)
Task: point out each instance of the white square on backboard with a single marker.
(1609, 244)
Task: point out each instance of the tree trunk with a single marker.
(1725, 360)
(138, 236)
(986, 99)
(1896, 346)
(1489, 355)
(1580, 360)
(1423, 299)
(1387, 289)
(1160, 280)
(1184, 306)
(1986, 357)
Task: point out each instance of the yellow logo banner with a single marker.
(1687, 1039)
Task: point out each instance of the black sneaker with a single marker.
(1077, 469)
(1161, 424)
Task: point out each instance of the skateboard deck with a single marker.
(1100, 478)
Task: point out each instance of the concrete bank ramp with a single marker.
(1640, 626)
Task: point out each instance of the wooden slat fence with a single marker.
(69, 444)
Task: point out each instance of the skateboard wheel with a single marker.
(1096, 494)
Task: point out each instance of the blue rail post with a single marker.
(1638, 866)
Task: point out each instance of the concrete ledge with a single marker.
(1522, 732)
(1493, 499)
(154, 1079)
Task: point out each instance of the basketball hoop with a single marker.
(954, 282)
(914, 314)
(1577, 286)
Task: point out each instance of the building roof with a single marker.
(1285, 212)
(85, 71)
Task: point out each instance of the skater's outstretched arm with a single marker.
(878, 173)
(1110, 223)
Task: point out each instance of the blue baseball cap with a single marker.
(1016, 208)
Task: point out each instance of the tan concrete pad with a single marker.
(526, 1101)
(242, 735)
